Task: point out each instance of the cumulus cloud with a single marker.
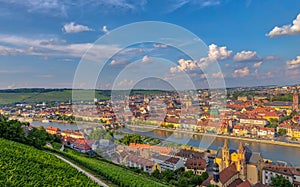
(241, 72)
(215, 53)
(75, 28)
(292, 64)
(256, 65)
(104, 29)
(146, 59)
(218, 53)
(245, 56)
(185, 65)
(290, 29)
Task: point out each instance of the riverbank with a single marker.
(274, 142)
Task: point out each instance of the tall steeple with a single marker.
(225, 144)
(241, 148)
(241, 165)
(225, 155)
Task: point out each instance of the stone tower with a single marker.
(225, 155)
(296, 101)
(241, 165)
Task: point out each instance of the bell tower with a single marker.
(241, 165)
(225, 155)
(296, 100)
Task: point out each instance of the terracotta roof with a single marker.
(228, 173)
(190, 154)
(173, 160)
(283, 170)
(207, 181)
(244, 184)
(140, 160)
(52, 128)
(236, 183)
(195, 163)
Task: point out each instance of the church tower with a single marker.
(241, 165)
(296, 101)
(225, 155)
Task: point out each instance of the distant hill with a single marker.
(38, 95)
(22, 165)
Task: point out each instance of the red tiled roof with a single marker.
(228, 173)
(244, 184)
(195, 163)
(283, 170)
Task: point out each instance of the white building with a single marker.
(289, 173)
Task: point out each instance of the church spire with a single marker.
(241, 148)
(225, 144)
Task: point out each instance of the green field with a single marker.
(47, 95)
(22, 165)
(38, 95)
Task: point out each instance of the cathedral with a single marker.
(247, 163)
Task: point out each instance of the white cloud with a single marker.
(245, 56)
(218, 75)
(50, 7)
(160, 45)
(10, 51)
(256, 65)
(185, 65)
(41, 47)
(241, 72)
(218, 53)
(118, 62)
(197, 4)
(146, 59)
(290, 29)
(75, 28)
(215, 53)
(292, 64)
(104, 29)
(124, 84)
(11, 86)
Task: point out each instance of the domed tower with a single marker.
(241, 165)
(216, 174)
(225, 155)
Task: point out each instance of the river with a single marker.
(268, 151)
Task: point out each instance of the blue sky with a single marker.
(255, 42)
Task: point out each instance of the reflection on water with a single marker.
(269, 151)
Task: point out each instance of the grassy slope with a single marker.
(21, 165)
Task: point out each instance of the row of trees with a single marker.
(180, 177)
(17, 131)
(134, 138)
(110, 172)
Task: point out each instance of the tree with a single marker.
(282, 132)
(156, 174)
(280, 181)
(183, 182)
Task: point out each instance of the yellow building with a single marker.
(247, 163)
